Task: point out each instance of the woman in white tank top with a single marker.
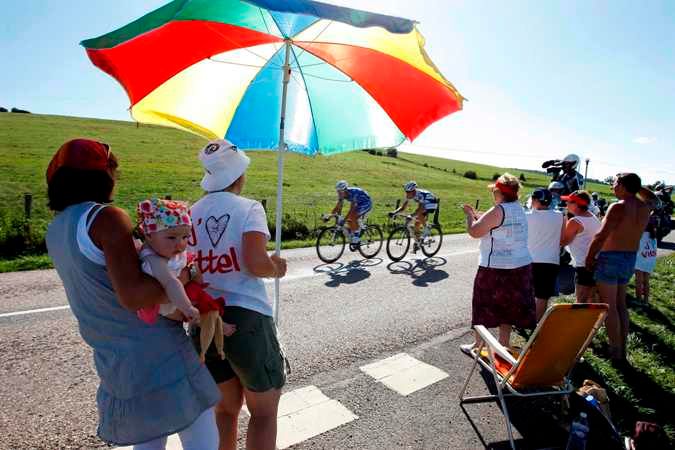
(578, 235)
(503, 295)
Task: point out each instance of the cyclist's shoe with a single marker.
(416, 247)
(355, 243)
(391, 214)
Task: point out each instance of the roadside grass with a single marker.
(157, 161)
(30, 262)
(643, 389)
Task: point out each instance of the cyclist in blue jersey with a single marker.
(427, 203)
(361, 204)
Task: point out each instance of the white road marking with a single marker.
(403, 373)
(307, 412)
(303, 414)
(34, 311)
(309, 273)
(172, 443)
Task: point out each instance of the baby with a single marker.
(165, 226)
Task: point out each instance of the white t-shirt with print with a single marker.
(219, 221)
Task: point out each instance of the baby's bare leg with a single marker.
(207, 331)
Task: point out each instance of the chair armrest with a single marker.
(494, 344)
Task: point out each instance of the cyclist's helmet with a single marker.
(556, 186)
(410, 186)
(341, 185)
(595, 195)
(572, 159)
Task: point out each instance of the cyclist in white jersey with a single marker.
(427, 203)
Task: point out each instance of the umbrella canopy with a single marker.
(292, 75)
(214, 67)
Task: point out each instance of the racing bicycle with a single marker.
(398, 242)
(331, 241)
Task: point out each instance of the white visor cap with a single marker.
(223, 163)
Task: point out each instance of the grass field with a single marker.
(643, 389)
(157, 161)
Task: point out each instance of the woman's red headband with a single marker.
(506, 188)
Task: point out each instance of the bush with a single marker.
(392, 152)
(18, 237)
(291, 228)
(426, 165)
(471, 175)
(372, 152)
(454, 171)
(379, 153)
(495, 176)
(522, 177)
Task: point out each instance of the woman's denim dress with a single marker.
(152, 383)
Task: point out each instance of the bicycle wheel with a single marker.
(330, 244)
(398, 243)
(432, 243)
(371, 241)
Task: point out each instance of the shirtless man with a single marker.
(616, 246)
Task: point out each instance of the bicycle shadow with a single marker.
(349, 273)
(423, 271)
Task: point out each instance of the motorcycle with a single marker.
(663, 210)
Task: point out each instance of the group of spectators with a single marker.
(520, 253)
(152, 382)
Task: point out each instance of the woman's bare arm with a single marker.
(256, 259)
(572, 228)
(479, 227)
(112, 231)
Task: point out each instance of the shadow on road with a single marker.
(423, 271)
(350, 273)
(542, 422)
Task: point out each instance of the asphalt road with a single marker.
(334, 319)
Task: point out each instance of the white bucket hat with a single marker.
(223, 164)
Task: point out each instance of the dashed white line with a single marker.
(34, 311)
(403, 373)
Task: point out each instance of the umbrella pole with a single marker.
(280, 172)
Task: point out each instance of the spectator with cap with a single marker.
(544, 233)
(230, 238)
(502, 291)
(151, 381)
(577, 236)
(556, 188)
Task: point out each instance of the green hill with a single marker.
(156, 161)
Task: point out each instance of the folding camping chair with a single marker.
(544, 364)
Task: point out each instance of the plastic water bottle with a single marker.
(578, 433)
(593, 402)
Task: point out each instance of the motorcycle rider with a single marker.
(569, 177)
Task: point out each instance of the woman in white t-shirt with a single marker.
(544, 232)
(579, 232)
(229, 240)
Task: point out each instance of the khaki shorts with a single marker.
(252, 353)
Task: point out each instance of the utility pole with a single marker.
(586, 172)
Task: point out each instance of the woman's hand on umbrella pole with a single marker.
(279, 266)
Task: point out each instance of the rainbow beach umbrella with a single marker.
(285, 75)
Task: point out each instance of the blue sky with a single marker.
(543, 78)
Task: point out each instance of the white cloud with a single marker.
(643, 140)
